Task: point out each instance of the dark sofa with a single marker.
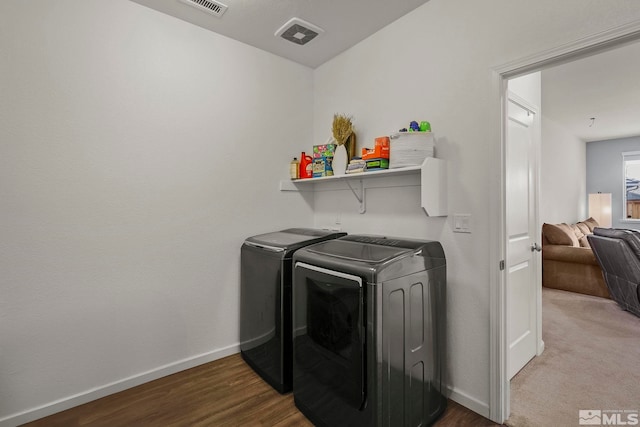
(618, 253)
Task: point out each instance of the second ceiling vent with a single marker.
(214, 8)
(299, 31)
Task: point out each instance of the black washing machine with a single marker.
(265, 300)
(368, 326)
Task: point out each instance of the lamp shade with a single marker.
(600, 208)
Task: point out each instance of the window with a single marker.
(631, 193)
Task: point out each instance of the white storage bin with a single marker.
(410, 148)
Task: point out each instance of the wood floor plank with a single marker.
(225, 393)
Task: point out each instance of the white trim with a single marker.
(625, 155)
(498, 387)
(583, 47)
(499, 393)
(469, 402)
(115, 387)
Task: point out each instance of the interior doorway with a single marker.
(499, 357)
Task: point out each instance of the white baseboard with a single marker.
(467, 401)
(115, 387)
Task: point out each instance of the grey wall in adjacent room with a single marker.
(604, 173)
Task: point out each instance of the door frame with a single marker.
(499, 383)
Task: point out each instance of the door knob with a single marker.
(535, 247)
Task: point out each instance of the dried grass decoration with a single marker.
(344, 134)
(342, 128)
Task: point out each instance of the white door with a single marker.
(522, 256)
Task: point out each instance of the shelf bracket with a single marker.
(361, 197)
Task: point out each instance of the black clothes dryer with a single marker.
(368, 326)
(265, 300)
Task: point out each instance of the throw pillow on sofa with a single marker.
(584, 228)
(584, 242)
(581, 235)
(591, 223)
(560, 234)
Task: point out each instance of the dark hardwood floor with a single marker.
(226, 392)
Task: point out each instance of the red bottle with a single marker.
(306, 166)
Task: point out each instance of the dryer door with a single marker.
(329, 340)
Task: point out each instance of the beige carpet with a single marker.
(591, 361)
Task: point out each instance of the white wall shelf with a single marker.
(433, 183)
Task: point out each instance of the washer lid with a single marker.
(369, 253)
(293, 237)
(374, 258)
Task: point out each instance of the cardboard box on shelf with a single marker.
(322, 167)
(323, 150)
(322, 157)
(379, 151)
(373, 164)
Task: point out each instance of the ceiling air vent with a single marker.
(212, 7)
(298, 31)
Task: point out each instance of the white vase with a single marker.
(340, 160)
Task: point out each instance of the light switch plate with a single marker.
(462, 223)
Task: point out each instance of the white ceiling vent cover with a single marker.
(298, 31)
(214, 8)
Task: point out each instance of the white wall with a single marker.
(562, 159)
(563, 175)
(528, 87)
(137, 152)
(436, 64)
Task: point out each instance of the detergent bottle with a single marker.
(306, 166)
